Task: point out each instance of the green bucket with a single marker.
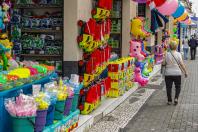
(59, 110)
(23, 124)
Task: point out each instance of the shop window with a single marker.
(142, 10)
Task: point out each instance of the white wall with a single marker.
(74, 10)
(128, 13)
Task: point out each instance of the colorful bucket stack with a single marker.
(121, 74)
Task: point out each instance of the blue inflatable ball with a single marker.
(180, 10)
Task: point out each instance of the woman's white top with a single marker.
(172, 68)
(185, 43)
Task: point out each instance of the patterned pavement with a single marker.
(155, 115)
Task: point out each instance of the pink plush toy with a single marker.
(138, 77)
(135, 50)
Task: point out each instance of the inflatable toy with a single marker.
(180, 10)
(137, 29)
(135, 50)
(182, 17)
(172, 7)
(158, 54)
(159, 2)
(138, 77)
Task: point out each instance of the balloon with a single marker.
(175, 30)
(180, 10)
(182, 17)
(135, 50)
(174, 36)
(159, 2)
(169, 7)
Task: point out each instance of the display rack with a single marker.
(116, 31)
(44, 54)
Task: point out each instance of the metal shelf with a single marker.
(36, 6)
(42, 56)
(41, 31)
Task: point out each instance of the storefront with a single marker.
(73, 55)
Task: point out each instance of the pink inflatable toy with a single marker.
(158, 54)
(135, 50)
(169, 7)
(138, 77)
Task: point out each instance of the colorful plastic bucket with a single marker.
(40, 120)
(59, 110)
(68, 105)
(50, 115)
(23, 124)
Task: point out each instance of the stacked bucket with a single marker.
(121, 73)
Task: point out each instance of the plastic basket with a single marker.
(40, 120)
(23, 124)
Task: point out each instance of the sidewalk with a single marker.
(155, 115)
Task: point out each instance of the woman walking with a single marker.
(185, 48)
(174, 67)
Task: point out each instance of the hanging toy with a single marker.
(135, 50)
(138, 77)
(136, 29)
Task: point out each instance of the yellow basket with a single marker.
(117, 84)
(114, 93)
(116, 75)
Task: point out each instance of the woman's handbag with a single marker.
(163, 67)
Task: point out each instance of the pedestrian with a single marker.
(193, 47)
(174, 67)
(185, 48)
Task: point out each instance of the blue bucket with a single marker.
(50, 115)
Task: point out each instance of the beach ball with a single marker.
(182, 17)
(169, 7)
(159, 2)
(180, 10)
